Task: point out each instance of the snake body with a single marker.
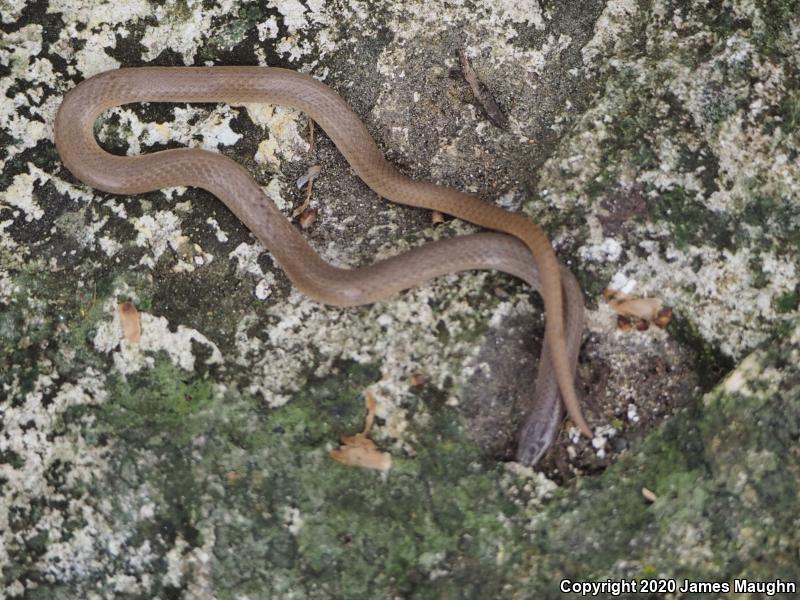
(230, 182)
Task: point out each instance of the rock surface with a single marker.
(656, 142)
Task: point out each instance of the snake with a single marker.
(515, 244)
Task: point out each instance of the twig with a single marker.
(307, 180)
(311, 174)
(312, 148)
(493, 111)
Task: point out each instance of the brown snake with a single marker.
(230, 182)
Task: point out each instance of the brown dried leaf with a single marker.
(307, 218)
(360, 451)
(663, 317)
(633, 307)
(418, 380)
(372, 406)
(131, 324)
(232, 477)
(649, 495)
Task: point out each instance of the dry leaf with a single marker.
(232, 477)
(307, 218)
(418, 380)
(642, 311)
(649, 495)
(360, 451)
(372, 407)
(624, 323)
(312, 173)
(663, 317)
(131, 325)
(437, 217)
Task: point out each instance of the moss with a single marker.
(710, 361)
(691, 223)
(360, 533)
(788, 302)
(773, 38)
(790, 110)
(160, 403)
(706, 490)
(778, 214)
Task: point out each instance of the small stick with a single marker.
(493, 111)
(312, 148)
(307, 180)
(311, 175)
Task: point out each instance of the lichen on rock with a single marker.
(657, 144)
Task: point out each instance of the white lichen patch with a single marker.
(267, 30)
(304, 339)
(721, 297)
(77, 530)
(101, 12)
(246, 256)
(614, 22)
(11, 10)
(8, 288)
(275, 191)
(218, 232)
(292, 519)
(527, 12)
(186, 27)
(527, 489)
(733, 99)
(749, 374)
(192, 127)
(18, 52)
(103, 22)
(181, 27)
(296, 15)
(609, 250)
(110, 246)
(93, 58)
(263, 290)
(157, 232)
(192, 566)
(156, 337)
(300, 19)
(19, 195)
(285, 141)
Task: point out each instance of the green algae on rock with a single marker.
(726, 480)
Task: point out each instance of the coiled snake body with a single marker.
(230, 182)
